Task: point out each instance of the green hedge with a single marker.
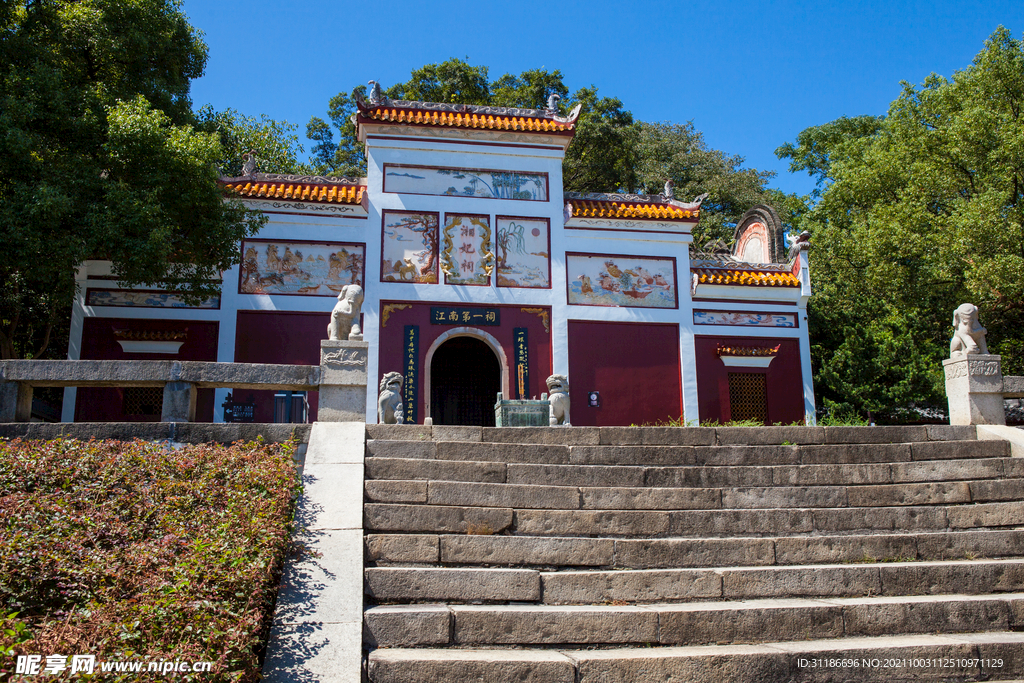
(136, 551)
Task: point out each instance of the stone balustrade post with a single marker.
(342, 381)
(179, 402)
(974, 388)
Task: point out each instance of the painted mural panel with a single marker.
(523, 252)
(299, 268)
(467, 257)
(143, 299)
(466, 182)
(409, 247)
(744, 318)
(620, 280)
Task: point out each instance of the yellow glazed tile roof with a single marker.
(650, 211)
(748, 278)
(468, 120)
(297, 191)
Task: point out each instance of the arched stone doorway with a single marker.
(465, 376)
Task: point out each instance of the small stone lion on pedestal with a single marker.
(390, 409)
(969, 335)
(345, 316)
(558, 395)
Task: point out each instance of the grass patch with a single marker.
(133, 551)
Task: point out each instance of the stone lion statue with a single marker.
(345, 316)
(968, 335)
(390, 409)
(558, 395)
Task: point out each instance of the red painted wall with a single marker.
(392, 351)
(784, 380)
(279, 337)
(95, 404)
(635, 366)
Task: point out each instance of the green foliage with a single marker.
(134, 551)
(453, 82)
(100, 158)
(347, 157)
(275, 142)
(679, 152)
(919, 212)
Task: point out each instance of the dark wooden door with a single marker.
(465, 378)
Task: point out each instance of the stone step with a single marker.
(499, 550)
(726, 455)
(595, 587)
(696, 623)
(378, 468)
(590, 587)
(954, 657)
(672, 436)
(525, 496)
(686, 523)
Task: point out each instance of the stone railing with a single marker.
(976, 388)
(340, 378)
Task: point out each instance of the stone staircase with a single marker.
(579, 555)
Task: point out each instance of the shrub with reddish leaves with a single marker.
(136, 551)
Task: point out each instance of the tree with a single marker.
(275, 143)
(679, 152)
(919, 211)
(100, 157)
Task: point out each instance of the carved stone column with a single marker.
(974, 387)
(343, 381)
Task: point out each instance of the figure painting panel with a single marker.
(620, 280)
(300, 268)
(466, 182)
(466, 257)
(522, 247)
(409, 247)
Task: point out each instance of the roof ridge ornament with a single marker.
(377, 97)
(553, 99)
(249, 163)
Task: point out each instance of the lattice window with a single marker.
(748, 396)
(143, 401)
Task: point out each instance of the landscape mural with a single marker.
(466, 258)
(464, 182)
(522, 250)
(618, 280)
(744, 318)
(143, 299)
(409, 247)
(302, 268)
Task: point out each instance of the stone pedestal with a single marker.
(974, 387)
(179, 402)
(15, 402)
(342, 381)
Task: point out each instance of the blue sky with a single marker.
(750, 75)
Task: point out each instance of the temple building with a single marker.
(480, 275)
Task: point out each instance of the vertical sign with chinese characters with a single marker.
(411, 343)
(522, 353)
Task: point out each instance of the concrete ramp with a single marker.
(318, 621)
